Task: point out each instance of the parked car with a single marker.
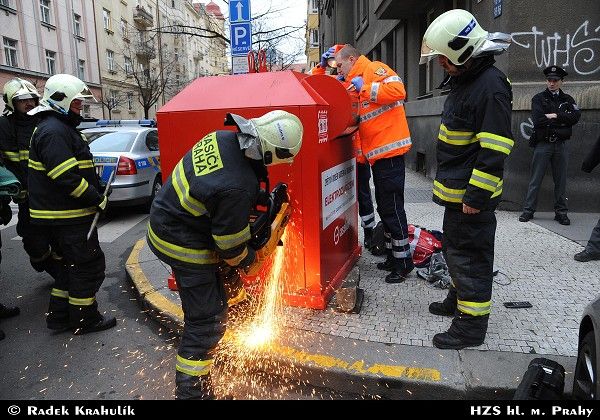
(585, 380)
(131, 148)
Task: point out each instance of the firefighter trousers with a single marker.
(41, 246)
(468, 247)
(204, 304)
(365, 202)
(73, 297)
(388, 177)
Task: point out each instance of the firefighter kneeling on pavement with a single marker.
(200, 218)
(64, 196)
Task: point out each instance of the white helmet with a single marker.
(18, 89)
(60, 91)
(454, 34)
(279, 132)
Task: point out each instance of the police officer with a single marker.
(553, 113)
(592, 248)
(473, 142)
(16, 128)
(64, 196)
(200, 218)
(385, 138)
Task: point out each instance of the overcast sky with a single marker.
(294, 14)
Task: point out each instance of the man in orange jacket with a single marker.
(385, 139)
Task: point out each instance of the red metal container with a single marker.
(321, 242)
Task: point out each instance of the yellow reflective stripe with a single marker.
(241, 296)
(12, 156)
(484, 180)
(60, 293)
(193, 256)
(85, 164)
(496, 142)
(498, 189)
(81, 301)
(226, 242)
(38, 166)
(448, 194)
(23, 154)
(194, 367)
(62, 168)
(80, 189)
(235, 261)
(61, 214)
(456, 138)
(474, 308)
(182, 188)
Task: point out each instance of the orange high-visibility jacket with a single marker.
(356, 143)
(383, 127)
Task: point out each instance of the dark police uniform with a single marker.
(63, 198)
(15, 134)
(474, 140)
(198, 219)
(550, 136)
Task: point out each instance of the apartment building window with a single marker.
(314, 37)
(314, 6)
(51, 62)
(107, 21)
(129, 101)
(110, 60)
(10, 52)
(76, 24)
(5, 3)
(124, 30)
(128, 66)
(362, 14)
(86, 111)
(45, 11)
(81, 69)
(112, 99)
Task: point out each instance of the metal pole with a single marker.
(97, 216)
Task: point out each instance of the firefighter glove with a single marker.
(358, 82)
(5, 213)
(340, 77)
(326, 56)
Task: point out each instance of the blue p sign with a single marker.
(241, 38)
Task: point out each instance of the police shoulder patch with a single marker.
(206, 155)
(381, 71)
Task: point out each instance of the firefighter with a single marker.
(16, 128)
(64, 196)
(385, 138)
(5, 218)
(473, 142)
(200, 219)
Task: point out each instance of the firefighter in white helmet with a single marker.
(200, 219)
(473, 141)
(64, 196)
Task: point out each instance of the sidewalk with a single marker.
(386, 350)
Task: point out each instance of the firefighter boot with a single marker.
(58, 311)
(368, 238)
(8, 311)
(447, 307)
(104, 323)
(189, 387)
(465, 331)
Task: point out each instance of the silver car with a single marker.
(131, 148)
(585, 380)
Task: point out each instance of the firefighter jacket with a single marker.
(474, 138)
(552, 129)
(63, 186)
(201, 214)
(382, 126)
(15, 134)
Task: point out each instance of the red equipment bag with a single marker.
(423, 243)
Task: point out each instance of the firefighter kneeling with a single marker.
(199, 220)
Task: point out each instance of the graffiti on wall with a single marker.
(578, 51)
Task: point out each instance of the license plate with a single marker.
(99, 170)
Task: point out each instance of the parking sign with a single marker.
(241, 38)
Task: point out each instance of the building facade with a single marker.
(312, 34)
(391, 31)
(45, 37)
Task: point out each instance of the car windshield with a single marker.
(110, 141)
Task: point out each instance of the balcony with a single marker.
(142, 17)
(145, 50)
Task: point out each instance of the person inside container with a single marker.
(200, 220)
